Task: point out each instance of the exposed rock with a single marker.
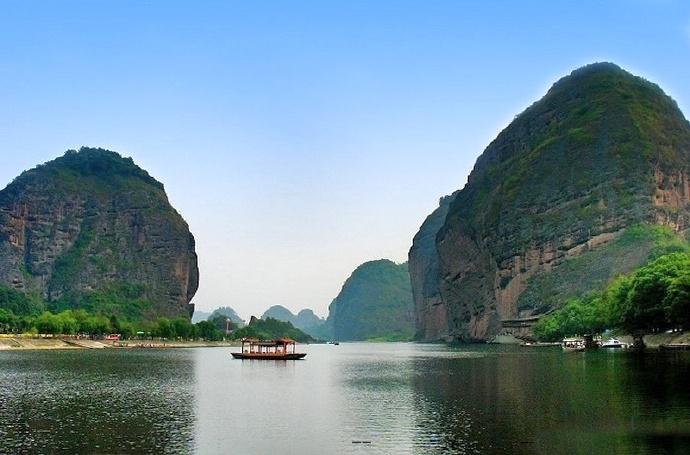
(601, 152)
(93, 221)
(431, 315)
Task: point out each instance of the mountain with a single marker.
(278, 312)
(569, 195)
(430, 312)
(270, 329)
(305, 320)
(374, 303)
(228, 313)
(200, 315)
(93, 230)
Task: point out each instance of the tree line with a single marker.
(73, 322)
(654, 298)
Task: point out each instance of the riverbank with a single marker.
(653, 341)
(656, 340)
(27, 343)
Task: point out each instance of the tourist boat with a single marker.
(539, 344)
(280, 349)
(614, 343)
(573, 344)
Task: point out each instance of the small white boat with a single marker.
(573, 344)
(614, 343)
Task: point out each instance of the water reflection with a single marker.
(355, 398)
(551, 402)
(105, 402)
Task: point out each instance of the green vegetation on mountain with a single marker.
(653, 298)
(562, 201)
(305, 320)
(270, 329)
(227, 312)
(91, 230)
(278, 312)
(374, 303)
(592, 270)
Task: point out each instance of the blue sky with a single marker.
(300, 139)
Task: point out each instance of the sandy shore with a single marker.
(26, 343)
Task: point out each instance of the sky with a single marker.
(300, 139)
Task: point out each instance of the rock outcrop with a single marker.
(431, 315)
(92, 221)
(375, 302)
(601, 152)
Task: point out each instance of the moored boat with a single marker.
(613, 343)
(573, 344)
(280, 349)
(540, 344)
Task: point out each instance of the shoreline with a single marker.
(49, 344)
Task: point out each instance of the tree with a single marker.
(8, 321)
(68, 323)
(164, 328)
(655, 297)
(48, 323)
(182, 328)
(207, 331)
(677, 300)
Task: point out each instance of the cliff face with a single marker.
(93, 221)
(601, 152)
(431, 315)
(375, 301)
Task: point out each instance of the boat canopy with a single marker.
(276, 342)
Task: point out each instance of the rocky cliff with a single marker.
(92, 222)
(375, 302)
(431, 314)
(546, 208)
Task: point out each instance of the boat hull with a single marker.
(253, 356)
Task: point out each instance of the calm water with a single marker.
(352, 398)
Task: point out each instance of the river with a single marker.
(359, 398)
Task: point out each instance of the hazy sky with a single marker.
(300, 139)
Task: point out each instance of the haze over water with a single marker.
(353, 398)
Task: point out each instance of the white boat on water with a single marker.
(573, 344)
(614, 343)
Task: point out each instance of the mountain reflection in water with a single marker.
(353, 398)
